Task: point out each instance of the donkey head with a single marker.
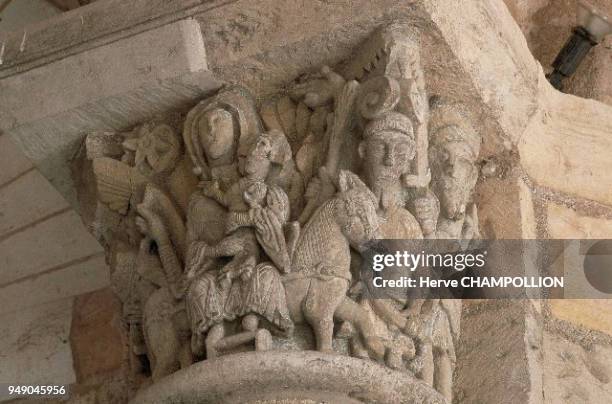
(355, 210)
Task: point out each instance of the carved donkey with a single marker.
(317, 286)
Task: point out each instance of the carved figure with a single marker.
(453, 154)
(387, 150)
(454, 148)
(215, 131)
(160, 288)
(257, 217)
(316, 288)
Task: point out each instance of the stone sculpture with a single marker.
(161, 289)
(288, 195)
(320, 273)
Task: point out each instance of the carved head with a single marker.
(388, 148)
(216, 133)
(256, 164)
(268, 150)
(355, 210)
(453, 151)
(216, 127)
(158, 150)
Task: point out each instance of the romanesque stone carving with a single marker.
(261, 248)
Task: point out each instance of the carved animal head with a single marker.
(355, 210)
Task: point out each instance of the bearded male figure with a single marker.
(448, 213)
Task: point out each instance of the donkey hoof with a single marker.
(346, 331)
(376, 348)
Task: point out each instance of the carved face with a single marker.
(356, 213)
(257, 162)
(158, 150)
(387, 156)
(454, 174)
(216, 131)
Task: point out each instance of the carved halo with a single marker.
(235, 100)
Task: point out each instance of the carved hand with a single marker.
(156, 225)
(471, 225)
(412, 326)
(416, 181)
(232, 224)
(210, 189)
(426, 209)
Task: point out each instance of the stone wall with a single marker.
(43, 266)
(547, 24)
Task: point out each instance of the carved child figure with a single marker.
(257, 214)
(244, 200)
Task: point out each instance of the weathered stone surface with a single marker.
(103, 72)
(48, 246)
(566, 223)
(494, 55)
(18, 207)
(82, 276)
(501, 213)
(593, 314)
(528, 216)
(17, 15)
(14, 163)
(87, 28)
(35, 346)
(109, 87)
(498, 353)
(288, 375)
(567, 146)
(96, 336)
(573, 374)
(547, 24)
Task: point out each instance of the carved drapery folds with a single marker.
(239, 233)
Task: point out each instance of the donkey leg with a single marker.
(443, 373)
(161, 336)
(295, 292)
(349, 310)
(320, 305)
